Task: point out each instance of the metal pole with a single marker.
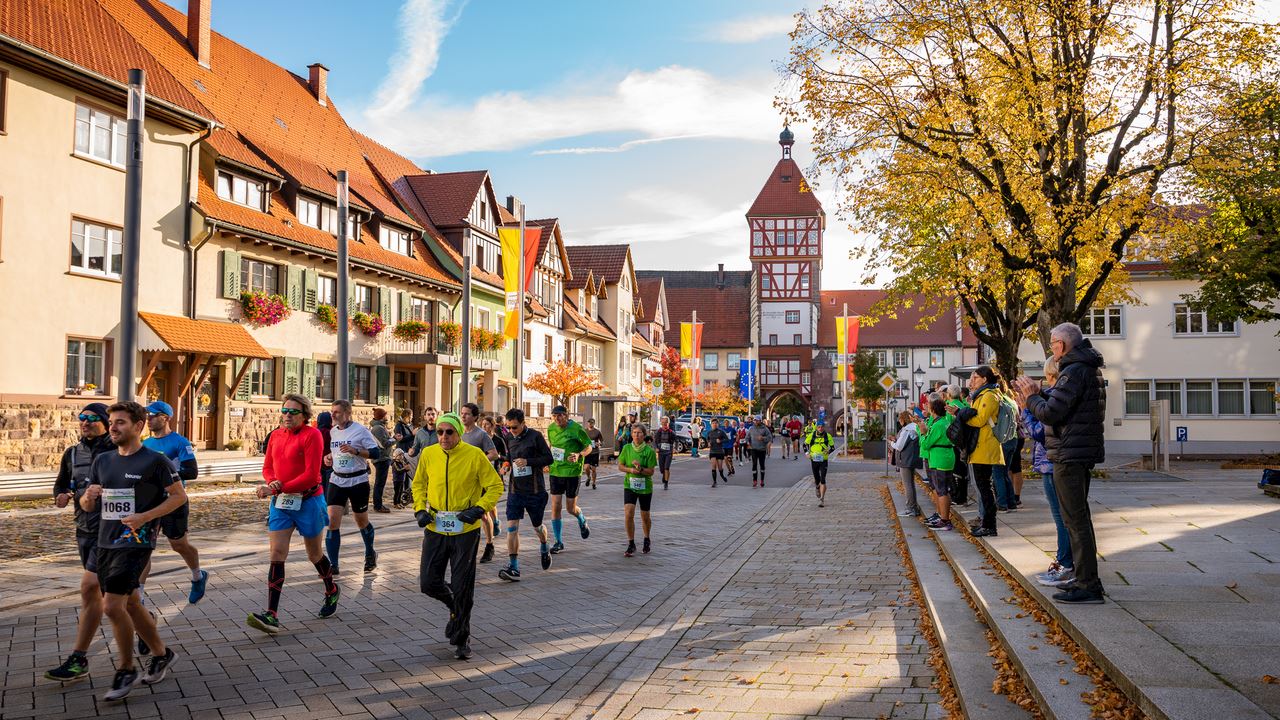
(132, 236)
(844, 377)
(693, 378)
(464, 386)
(886, 432)
(520, 309)
(342, 383)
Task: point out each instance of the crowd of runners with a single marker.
(126, 477)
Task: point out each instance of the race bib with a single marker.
(557, 454)
(517, 471)
(448, 522)
(288, 501)
(664, 446)
(117, 503)
(347, 463)
(637, 483)
(819, 457)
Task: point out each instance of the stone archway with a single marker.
(776, 404)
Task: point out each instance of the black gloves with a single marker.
(424, 518)
(471, 514)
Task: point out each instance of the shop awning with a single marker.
(167, 333)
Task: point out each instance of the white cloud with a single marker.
(597, 150)
(712, 223)
(423, 27)
(752, 29)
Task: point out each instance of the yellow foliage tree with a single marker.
(563, 380)
(720, 399)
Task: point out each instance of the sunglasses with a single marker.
(447, 431)
(156, 415)
(90, 418)
(290, 411)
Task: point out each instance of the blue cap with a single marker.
(160, 407)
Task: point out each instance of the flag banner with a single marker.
(509, 237)
(747, 379)
(846, 344)
(691, 351)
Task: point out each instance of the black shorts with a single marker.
(631, 497)
(174, 525)
(1015, 462)
(566, 486)
(120, 569)
(593, 459)
(357, 494)
(518, 504)
(88, 547)
(664, 461)
(716, 454)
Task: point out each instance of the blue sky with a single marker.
(649, 123)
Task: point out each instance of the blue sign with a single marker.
(747, 378)
(1181, 431)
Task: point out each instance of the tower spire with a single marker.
(786, 139)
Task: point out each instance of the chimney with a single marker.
(198, 29)
(513, 205)
(720, 277)
(319, 82)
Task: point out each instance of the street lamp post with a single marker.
(919, 373)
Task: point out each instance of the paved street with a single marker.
(742, 610)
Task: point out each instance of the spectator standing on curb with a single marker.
(378, 427)
(906, 457)
(1062, 571)
(400, 471)
(984, 385)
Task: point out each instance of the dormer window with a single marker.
(323, 217)
(241, 190)
(395, 240)
(582, 299)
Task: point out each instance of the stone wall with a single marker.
(259, 420)
(34, 435)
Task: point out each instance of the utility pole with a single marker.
(519, 364)
(464, 386)
(342, 383)
(132, 235)
(844, 377)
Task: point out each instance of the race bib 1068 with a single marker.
(117, 503)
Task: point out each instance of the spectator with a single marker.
(906, 457)
(1073, 415)
(942, 460)
(1061, 571)
(984, 386)
(403, 434)
(960, 475)
(324, 423)
(1002, 475)
(378, 427)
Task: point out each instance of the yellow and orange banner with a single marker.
(510, 239)
(691, 352)
(846, 344)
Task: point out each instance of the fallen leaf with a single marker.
(1033, 647)
(1271, 680)
(692, 711)
(1063, 681)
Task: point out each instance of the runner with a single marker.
(638, 460)
(291, 478)
(593, 459)
(741, 444)
(453, 488)
(793, 429)
(132, 488)
(695, 435)
(475, 436)
(529, 454)
(174, 525)
(715, 450)
(730, 430)
(820, 444)
(568, 443)
(351, 446)
(760, 445)
(68, 488)
(665, 441)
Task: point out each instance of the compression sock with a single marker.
(582, 519)
(543, 548)
(366, 532)
(142, 594)
(713, 476)
(275, 583)
(515, 562)
(332, 546)
(325, 568)
(556, 528)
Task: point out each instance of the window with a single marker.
(364, 299)
(327, 290)
(482, 317)
(262, 378)
(308, 212)
(1137, 397)
(258, 276)
(85, 363)
(546, 348)
(323, 217)
(419, 309)
(241, 191)
(710, 361)
(773, 339)
(1230, 397)
(395, 240)
(1200, 397)
(797, 339)
(937, 359)
(568, 349)
(835, 389)
(484, 253)
(96, 249)
(4, 87)
(527, 344)
(1262, 397)
(325, 383)
(735, 360)
(1187, 321)
(881, 356)
(1170, 390)
(1103, 322)
(591, 357)
(903, 389)
(362, 389)
(793, 316)
(100, 135)
(900, 358)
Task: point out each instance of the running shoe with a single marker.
(264, 621)
(645, 548)
(509, 574)
(463, 651)
(942, 526)
(822, 503)
(382, 509)
(334, 567)
(631, 549)
(197, 588)
(909, 513)
(665, 485)
(74, 668)
(1079, 596)
(330, 605)
(1052, 573)
(557, 548)
(1065, 579)
(984, 532)
(583, 528)
(932, 518)
(371, 561)
(123, 682)
(546, 561)
(487, 556)
(158, 667)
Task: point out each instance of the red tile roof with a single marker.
(448, 197)
(641, 345)
(606, 262)
(723, 311)
(648, 294)
(887, 332)
(786, 192)
(579, 320)
(205, 337)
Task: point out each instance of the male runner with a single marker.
(455, 485)
(592, 461)
(569, 442)
(529, 454)
(476, 436)
(132, 488)
(351, 446)
(759, 443)
(715, 450)
(174, 525)
(664, 439)
(638, 460)
(72, 481)
(820, 446)
(291, 478)
(794, 428)
(731, 437)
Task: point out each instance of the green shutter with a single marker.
(384, 384)
(384, 305)
(230, 275)
(351, 383)
(351, 297)
(242, 390)
(406, 306)
(293, 286)
(309, 377)
(310, 287)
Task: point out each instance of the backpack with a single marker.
(1006, 421)
(962, 438)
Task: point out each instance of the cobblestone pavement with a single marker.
(753, 604)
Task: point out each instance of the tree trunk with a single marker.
(1059, 306)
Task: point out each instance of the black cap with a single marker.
(99, 409)
(558, 410)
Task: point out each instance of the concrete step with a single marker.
(961, 634)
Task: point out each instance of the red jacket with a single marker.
(293, 458)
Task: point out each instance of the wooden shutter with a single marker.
(384, 305)
(293, 286)
(406, 306)
(351, 296)
(309, 377)
(290, 375)
(310, 290)
(384, 384)
(242, 390)
(230, 275)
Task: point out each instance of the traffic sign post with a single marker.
(887, 382)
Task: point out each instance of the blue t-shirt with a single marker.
(173, 446)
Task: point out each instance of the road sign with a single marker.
(1182, 433)
(887, 382)
(657, 385)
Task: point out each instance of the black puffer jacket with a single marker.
(1075, 412)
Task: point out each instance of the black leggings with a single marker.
(757, 462)
(819, 472)
(982, 478)
(458, 552)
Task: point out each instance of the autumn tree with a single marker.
(865, 386)
(563, 380)
(722, 399)
(1047, 128)
(676, 394)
